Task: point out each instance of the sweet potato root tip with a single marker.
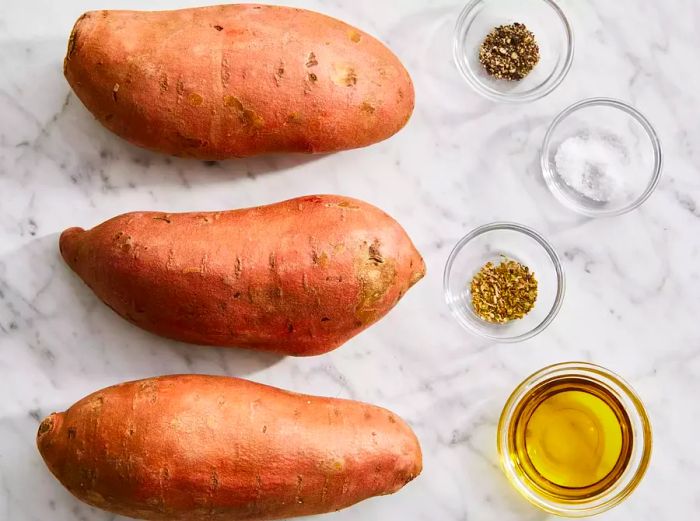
(75, 32)
(50, 424)
(68, 243)
(418, 274)
(73, 42)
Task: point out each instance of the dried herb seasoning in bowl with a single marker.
(503, 292)
(540, 65)
(530, 307)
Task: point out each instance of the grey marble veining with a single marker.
(632, 300)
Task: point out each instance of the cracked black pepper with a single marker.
(509, 52)
(504, 292)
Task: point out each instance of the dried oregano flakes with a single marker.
(504, 292)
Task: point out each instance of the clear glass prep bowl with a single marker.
(618, 119)
(492, 242)
(551, 29)
(641, 440)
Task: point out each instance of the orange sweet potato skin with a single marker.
(299, 277)
(237, 80)
(194, 447)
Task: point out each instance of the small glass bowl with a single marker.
(551, 29)
(492, 242)
(640, 433)
(628, 131)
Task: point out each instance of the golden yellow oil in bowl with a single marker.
(574, 439)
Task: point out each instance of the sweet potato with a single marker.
(237, 80)
(298, 277)
(193, 447)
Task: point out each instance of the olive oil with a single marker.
(574, 439)
(570, 438)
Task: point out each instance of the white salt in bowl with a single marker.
(601, 157)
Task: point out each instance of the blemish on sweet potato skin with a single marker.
(294, 118)
(311, 60)
(320, 259)
(377, 278)
(249, 118)
(195, 99)
(367, 108)
(313, 258)
(354, 35)
(178, 456)
(320, 68)
(344, 75)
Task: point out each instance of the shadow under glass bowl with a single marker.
(638, 149)
(492, 242)
(553, 34)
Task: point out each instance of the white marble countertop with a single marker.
(632, 301)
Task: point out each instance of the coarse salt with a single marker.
(593, 164)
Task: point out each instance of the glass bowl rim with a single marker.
(494, 95)
(549, 175)
(604, 377)
(552, 254)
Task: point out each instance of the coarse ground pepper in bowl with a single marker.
(504, 282)
(513, 50)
